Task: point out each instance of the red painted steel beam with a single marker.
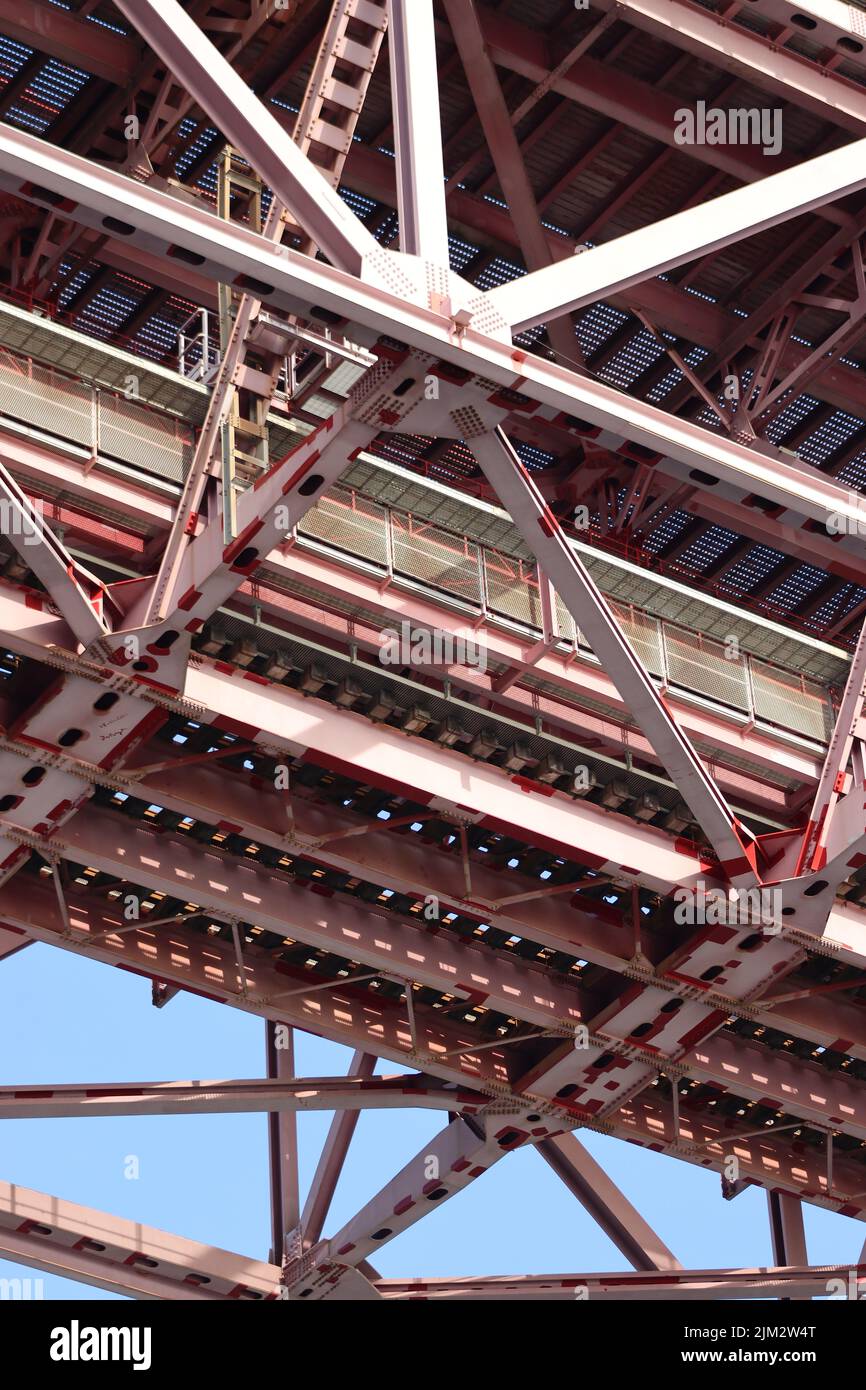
(228, 251)
(126, 1257)
(606, 1204)
(544, 537)
(206, 966)
(332, 577)
(310, 1093)
(329, 836)
(667, 304)
(686, 1285)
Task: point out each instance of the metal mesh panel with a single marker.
(699, 664)
(64, 407)
(791, 701)
(38, 397)
(565, 622)
(351, 524)
(644, 634)
(139, 436)
(438, 558)
(512, 588)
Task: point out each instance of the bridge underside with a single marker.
(432, 595)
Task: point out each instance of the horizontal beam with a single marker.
(163, 224)
(206, 966)
(46, 1102)
(684, 1285)
(278, 718)
(408, 952)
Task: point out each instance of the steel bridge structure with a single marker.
(333, 332)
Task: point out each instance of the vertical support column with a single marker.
(283, 1148)
(418, 134)
(787, 1232)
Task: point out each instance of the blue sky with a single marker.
(66, 1019)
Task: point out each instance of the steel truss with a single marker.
(123, 666)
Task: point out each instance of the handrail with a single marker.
(504, 590)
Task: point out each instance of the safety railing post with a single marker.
(663, 649)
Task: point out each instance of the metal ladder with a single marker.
(333, 101)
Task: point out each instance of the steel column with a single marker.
(282, 1147)
(417, 131)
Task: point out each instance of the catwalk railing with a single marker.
(491, 583)
(504, 588)
(102, 421)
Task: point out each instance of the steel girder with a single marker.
(611, 1210)
(545, 539)
(341, 841)
(64, 1238)
(449, 1162)
(231, 254)
(770, 66)
(676, 240)
(207, 966)
(330, 576)
(601, 1073)
(275, 1096)
(124, 1256)
(277, 718)
(472, 1142)
(688, 1285)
